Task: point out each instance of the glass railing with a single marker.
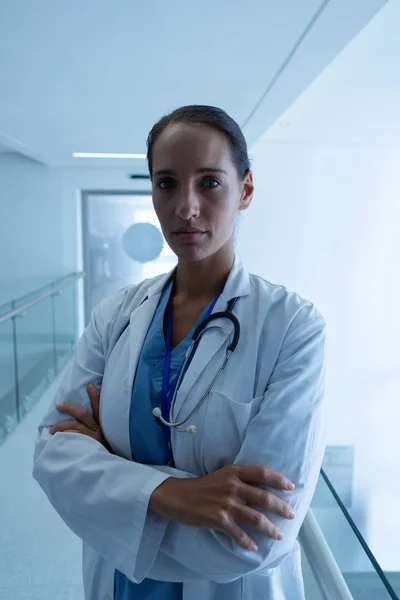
(337, 562)
(38, 335)
(21, 290)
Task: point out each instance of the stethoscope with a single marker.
(199, 331)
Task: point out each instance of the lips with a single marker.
(188, 235)
(188, 230)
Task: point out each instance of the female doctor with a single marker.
(191, 481)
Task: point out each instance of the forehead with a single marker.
(190, 146)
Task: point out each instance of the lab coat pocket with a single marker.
(225, 426)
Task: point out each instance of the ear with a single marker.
(247, 191)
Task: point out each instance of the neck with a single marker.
(203, 279)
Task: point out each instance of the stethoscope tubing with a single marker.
(200, 330)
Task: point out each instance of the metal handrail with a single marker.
(359, 537)
(33, 292)
(50, 292)
(321, 560)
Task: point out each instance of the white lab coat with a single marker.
(265, 409)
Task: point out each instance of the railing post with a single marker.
(53, 313)
(16, 374)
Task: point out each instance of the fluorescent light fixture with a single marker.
(101, 155)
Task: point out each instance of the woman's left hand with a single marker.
(83, 421)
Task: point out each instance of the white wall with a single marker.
(325, 222)
(31, 220)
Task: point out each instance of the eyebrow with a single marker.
(202, 170)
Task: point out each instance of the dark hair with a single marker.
(205, 115)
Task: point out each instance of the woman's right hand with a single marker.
(219, 500)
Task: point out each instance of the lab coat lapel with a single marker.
(116, 422)
(139, 324)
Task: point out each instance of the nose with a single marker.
(188, 205)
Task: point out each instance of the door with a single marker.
(108, 235)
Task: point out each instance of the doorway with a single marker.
(106, 217)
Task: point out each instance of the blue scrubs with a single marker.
(148, 444)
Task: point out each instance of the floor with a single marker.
(40, 559)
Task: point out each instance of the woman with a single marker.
(168, 514)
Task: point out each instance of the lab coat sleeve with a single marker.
(287, 434)
(101, 497)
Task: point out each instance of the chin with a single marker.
(189, 251)
(195, 252)
(190, 254)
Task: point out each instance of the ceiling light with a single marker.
(101, 155)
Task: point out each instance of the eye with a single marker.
(210, 182)
(166, 183)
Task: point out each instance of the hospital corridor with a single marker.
(199, 283)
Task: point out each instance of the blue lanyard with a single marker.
(168, 391)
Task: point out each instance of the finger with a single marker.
(80, 413)
(64, 425)
(259, 521)
(265, 499)
(94, 395)
(239, 536)
(263, 475)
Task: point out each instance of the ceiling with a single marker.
(94, 76)
(356, 99)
